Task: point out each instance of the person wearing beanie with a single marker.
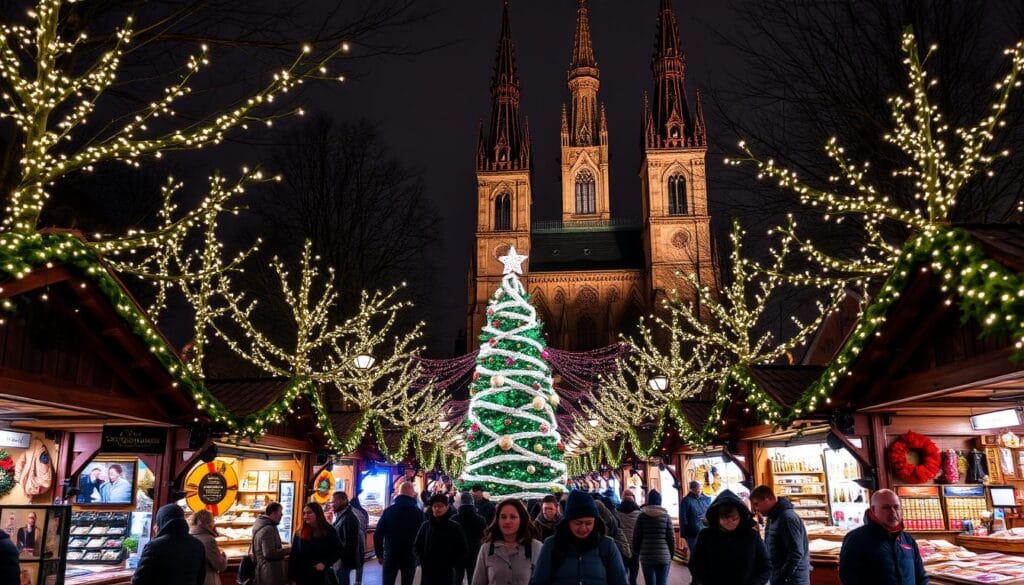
(729, 550)
(440, 545)
(628, 513)
(579, 553)
(691, 513)
(473, 526)
(174, 557)
(654, 540)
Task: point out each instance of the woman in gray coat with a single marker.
(509, 549)
(203, 529)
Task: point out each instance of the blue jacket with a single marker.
(600, 564)
(786, 540)
(871, 555)
(691, 517)
(396, 531)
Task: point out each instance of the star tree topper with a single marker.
(513, 261)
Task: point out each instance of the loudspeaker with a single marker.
(834, 442)
(197, 436)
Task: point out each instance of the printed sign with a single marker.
(964, 491)
(15, 439)
(133, 440)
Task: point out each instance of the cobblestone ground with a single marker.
(678, 575)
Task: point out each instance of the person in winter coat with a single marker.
(880, 552)
(549, 517)
(364, 522)
(439, 544)
(267, 550)
(785, 538)
(729, 551)
(315, 547)
(484, 506)
(395, 534)
(8, 559)
(627, 513)
(654, 540)
(346, 524)
(611, 526)
(579, 553)
(473, 526)
(691, 513)
(510, 547)
(202, 527)
(174, 557)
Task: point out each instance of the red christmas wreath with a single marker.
(906, 471)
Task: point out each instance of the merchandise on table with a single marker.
(965, 503)
(98, 537)
(848, 501)
(922, 508)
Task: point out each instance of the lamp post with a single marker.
(364, 361)
(658, 383)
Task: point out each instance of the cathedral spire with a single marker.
(671, 114)
(504, 145)
(700, 129)
(584, 81)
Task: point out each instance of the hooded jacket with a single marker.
(174, 557)
(306, 553)
(34, 470)
(627, 513)
(871, 555)
(8, 559)
(440, 548)
(565, 560)
(268, 552)
(653, 538)
(473, 526)
(786, 540)
(729, 558)
(396, 531)
(613, 529)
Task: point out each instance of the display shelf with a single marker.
(798, 472)
(98, 537)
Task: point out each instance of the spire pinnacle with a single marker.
(504, 149)
(673, 124)
(582, 50)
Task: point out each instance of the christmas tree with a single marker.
(513, 445)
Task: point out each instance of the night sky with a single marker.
(428, 106)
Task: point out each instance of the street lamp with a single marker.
(364, 361)
(658, 383)
(593, 421)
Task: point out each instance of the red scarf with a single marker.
(897, 530)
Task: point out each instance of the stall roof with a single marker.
(785, 383)
(244, 396)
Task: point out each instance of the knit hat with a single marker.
(466, 499)
(439, 498)
(654, 498)
(580, 505)
(168, 513)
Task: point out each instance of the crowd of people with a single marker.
(575, 539)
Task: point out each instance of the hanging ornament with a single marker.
(474, 427)
(505, 442)
(507, 421)
(476, 375)
(531, 469)
(554, 399)
(538, 448)
(544, 354)
(496, 323)
(543, 428)
(490, 311)
(509, 361)
(493, 341)
(538, 403)
(535, 385)
(560, 446)
(497, 381)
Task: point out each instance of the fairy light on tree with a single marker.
(936, 174)
(513, 444)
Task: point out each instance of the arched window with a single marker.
(586, 334)
(586, 192)
(677, 195)
(503, 212)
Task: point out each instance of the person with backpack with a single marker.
(510, 547)
(654, 540)
(579, 553)
(440, 546)
(473, 527)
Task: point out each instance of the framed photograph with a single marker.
(52, 545)
(28, 574)
(25, 525)
(107, 482)
(49, 573)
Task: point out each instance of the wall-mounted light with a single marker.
(1008, 417)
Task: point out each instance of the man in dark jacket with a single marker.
(549, 517)
(440, 546)
(654, 540)
(8, 559)
(784, 536)
(484, 507)
(473, 526)
(174, 557)
(395, 534)
(879, 552)
(691, 513)
(346, 524)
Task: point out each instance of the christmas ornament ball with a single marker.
(553, 399)
(505, 442)
(497, 380)
(538, 448)
(538, 403)
(531, 469)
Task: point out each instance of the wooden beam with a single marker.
(85, 446)
(38, 278)
(858, 453)
(16, 387)
(990, 369)
(878, 444)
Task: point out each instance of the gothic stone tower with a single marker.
(503, 181)
(584, 134)
(676, 231)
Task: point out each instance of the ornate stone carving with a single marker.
(681, 239)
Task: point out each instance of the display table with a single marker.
(109, 576)
(1001, 542)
